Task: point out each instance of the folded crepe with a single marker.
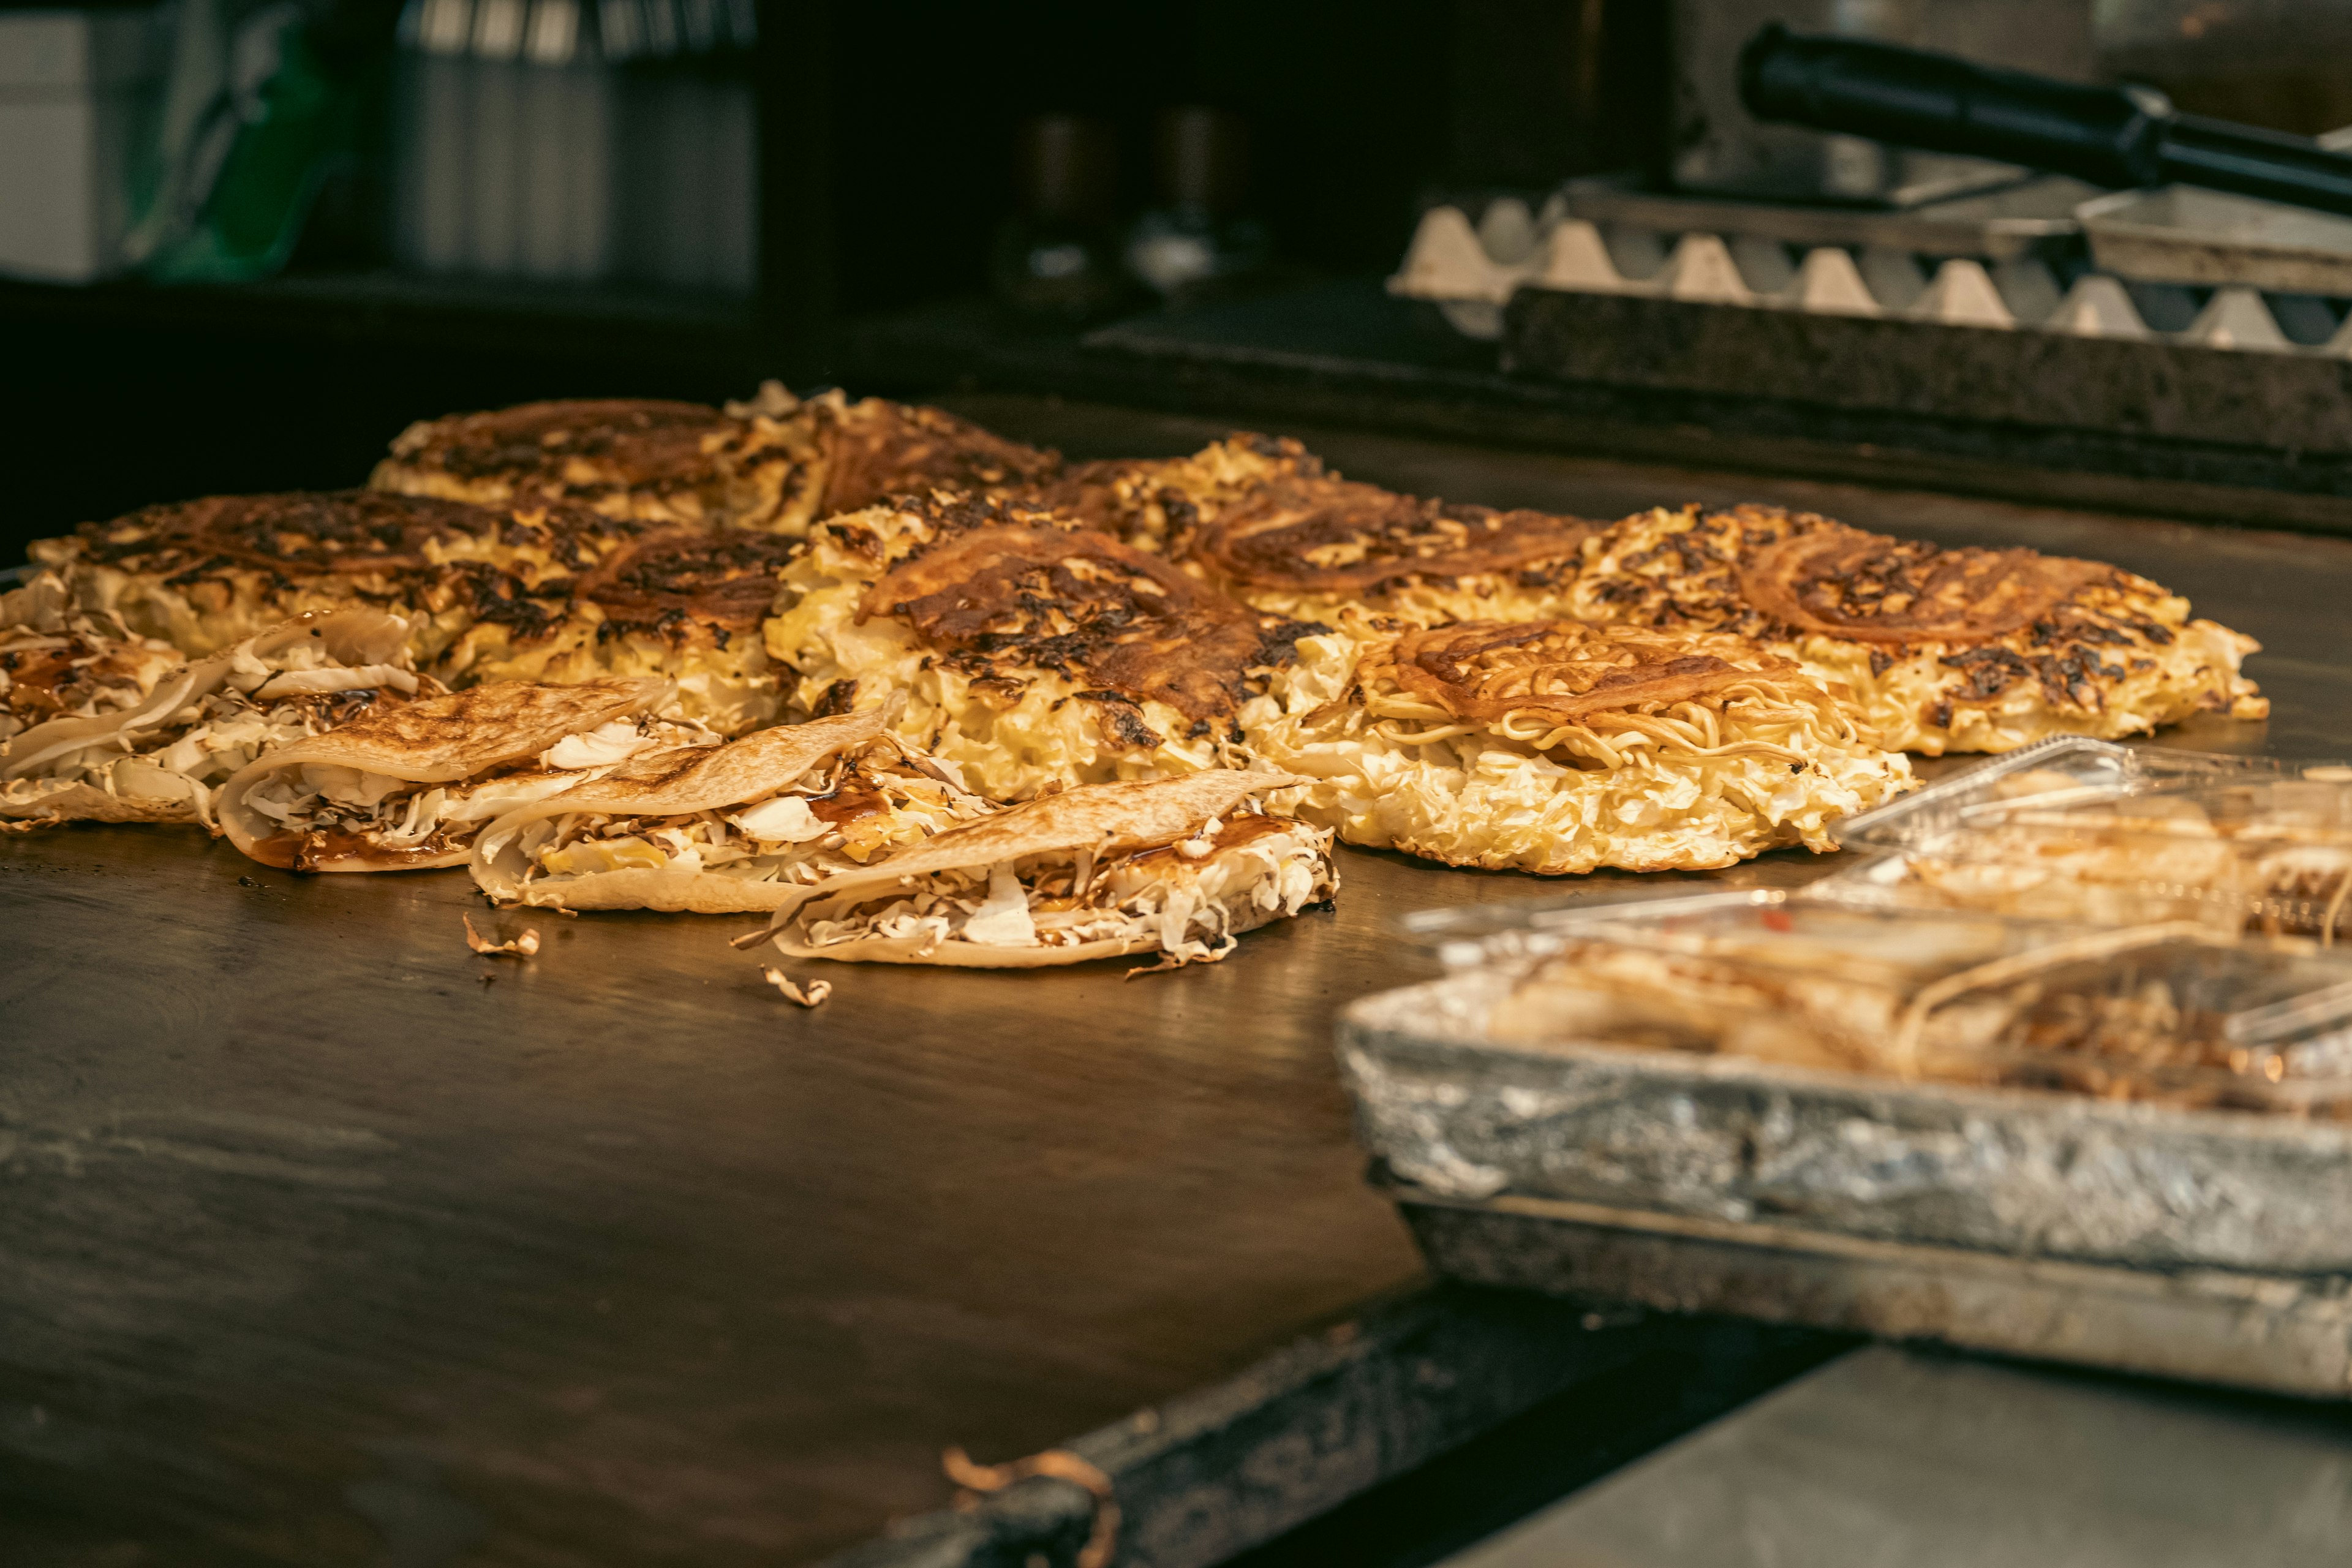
(61, 659)
(774, 463)
(731, 829)
(1553, 746)
(161, 758)
(407, 788)
(1182, 867)
(1943, 650)
(1033, 652)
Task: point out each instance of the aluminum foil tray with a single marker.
(2284, 1334)
(2189, 1243)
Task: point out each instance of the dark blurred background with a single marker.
(887, 149)
(244, 242)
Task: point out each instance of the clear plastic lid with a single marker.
(2057, 771)
(2167, 1013)
(2272, 855)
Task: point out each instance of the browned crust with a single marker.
(67, 671)
(687, 578)
(320, 532)
(1483, 670)
(1841, 582)
(1336, 536)
(2087, 621)
(635, 443)
(1158, 503)
(412, 553)
(437, 740)
(874, 449)
(1003, 602)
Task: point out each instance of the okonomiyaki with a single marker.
(407, 788)
(1033, 653)
(685, 604)
(1155, 503)
(633, 459)
(731, 829)
(874, 449)
(1317, 547)
(1179, 866)
(774, 463)
(161, 758)
(203, 575)
(1943, 650)
(1554, 746)
(60, 659)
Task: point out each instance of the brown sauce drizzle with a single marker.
(1867, 587)
(1486, 669)
(1271, 539)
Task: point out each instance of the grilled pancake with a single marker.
(1033, 652)
(772, 464)
(684, 603)
(1944, 650)
(203, 575)
(409, 787)
(1177, 865)
(633, 459)
(1269, 525)
(1554, 746)
(159, 759)
(1317, 547)
(1155, 503)
(726, 829)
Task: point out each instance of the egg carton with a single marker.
(1470, 270)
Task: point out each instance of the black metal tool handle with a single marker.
(2107, 135)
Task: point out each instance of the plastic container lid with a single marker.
(2063, 769)
(2165, 1012)
(2272, 855)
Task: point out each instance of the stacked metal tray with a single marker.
(2125, 1143)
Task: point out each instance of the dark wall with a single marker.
(1357, 109)
(104, 411)
(889, 139)
(1344, 98)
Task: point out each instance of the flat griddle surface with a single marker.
(315, 1247)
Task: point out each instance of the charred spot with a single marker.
(1122, 720)
(840, 697)
(1988, 671)
(1000, 691)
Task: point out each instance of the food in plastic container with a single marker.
(2268, 853)
(2166, 1012)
